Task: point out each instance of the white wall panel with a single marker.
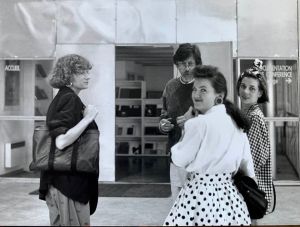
(27, 29)
(219, 54)
(206, 21)
(144, 21)
(267, 28)
(11, 132)
(86, 21)
(101, 93)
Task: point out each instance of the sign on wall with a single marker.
(12, 82)
(282, 81)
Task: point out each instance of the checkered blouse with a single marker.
(261, 151)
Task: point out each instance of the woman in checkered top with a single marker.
(252, 89)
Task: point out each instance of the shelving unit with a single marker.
(137, 118)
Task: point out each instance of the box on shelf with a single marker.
(130, 93)
(152, 110)
(154, 94)
(129, 148)
(152, 130)
(128, 110)
(119, 130)
(155, 148)
(128, 129)
(135, 147)
(122, 148)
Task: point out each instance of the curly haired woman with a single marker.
(70, 196)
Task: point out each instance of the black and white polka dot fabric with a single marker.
(208, 200)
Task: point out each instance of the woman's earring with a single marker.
(218, 100)
(70, 85)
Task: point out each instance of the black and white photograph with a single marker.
(149, 112)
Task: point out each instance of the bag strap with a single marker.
(73, 158)
(51, 155)
(274, 196)
(74, 155)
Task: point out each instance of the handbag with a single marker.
(81, 156)
(254, 197)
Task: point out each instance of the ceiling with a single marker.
(146, 55)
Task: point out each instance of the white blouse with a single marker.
(212, 143)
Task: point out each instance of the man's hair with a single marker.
(185, 51)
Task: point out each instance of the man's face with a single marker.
(186, 67)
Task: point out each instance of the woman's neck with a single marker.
(246, 107)
(76, 91)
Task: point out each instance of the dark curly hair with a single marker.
(255, 72)
(66, 67)
(219, 84)
(186, 50)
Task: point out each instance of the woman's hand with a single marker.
(64, 140)
(90, 113)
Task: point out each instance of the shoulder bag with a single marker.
(254, 197)
(81, 156)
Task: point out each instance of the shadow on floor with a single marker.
(22, 174)
(131, 190)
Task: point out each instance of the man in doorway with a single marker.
(177, 100)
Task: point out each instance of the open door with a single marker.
(141, 75)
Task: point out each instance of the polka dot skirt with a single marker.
(208, 200)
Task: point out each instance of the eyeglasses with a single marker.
(84, 73)
(182, 64)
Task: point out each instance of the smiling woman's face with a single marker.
(249, 91)
(203, 95)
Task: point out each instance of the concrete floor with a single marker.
(17, 207)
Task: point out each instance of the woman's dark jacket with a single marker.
(65, 111)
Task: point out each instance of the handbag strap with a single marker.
(74, 155)
(51, 155)
(73, 158)
(274, 196)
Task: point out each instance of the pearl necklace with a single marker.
(184, 82)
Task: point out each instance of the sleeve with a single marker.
(259, 142)
(185, 151)
(246, 165)
(164, 111)
(68, 111)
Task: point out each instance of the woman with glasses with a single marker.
(176, 102)
(70, 196)
(252, 89)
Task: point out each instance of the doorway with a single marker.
(141, 74)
